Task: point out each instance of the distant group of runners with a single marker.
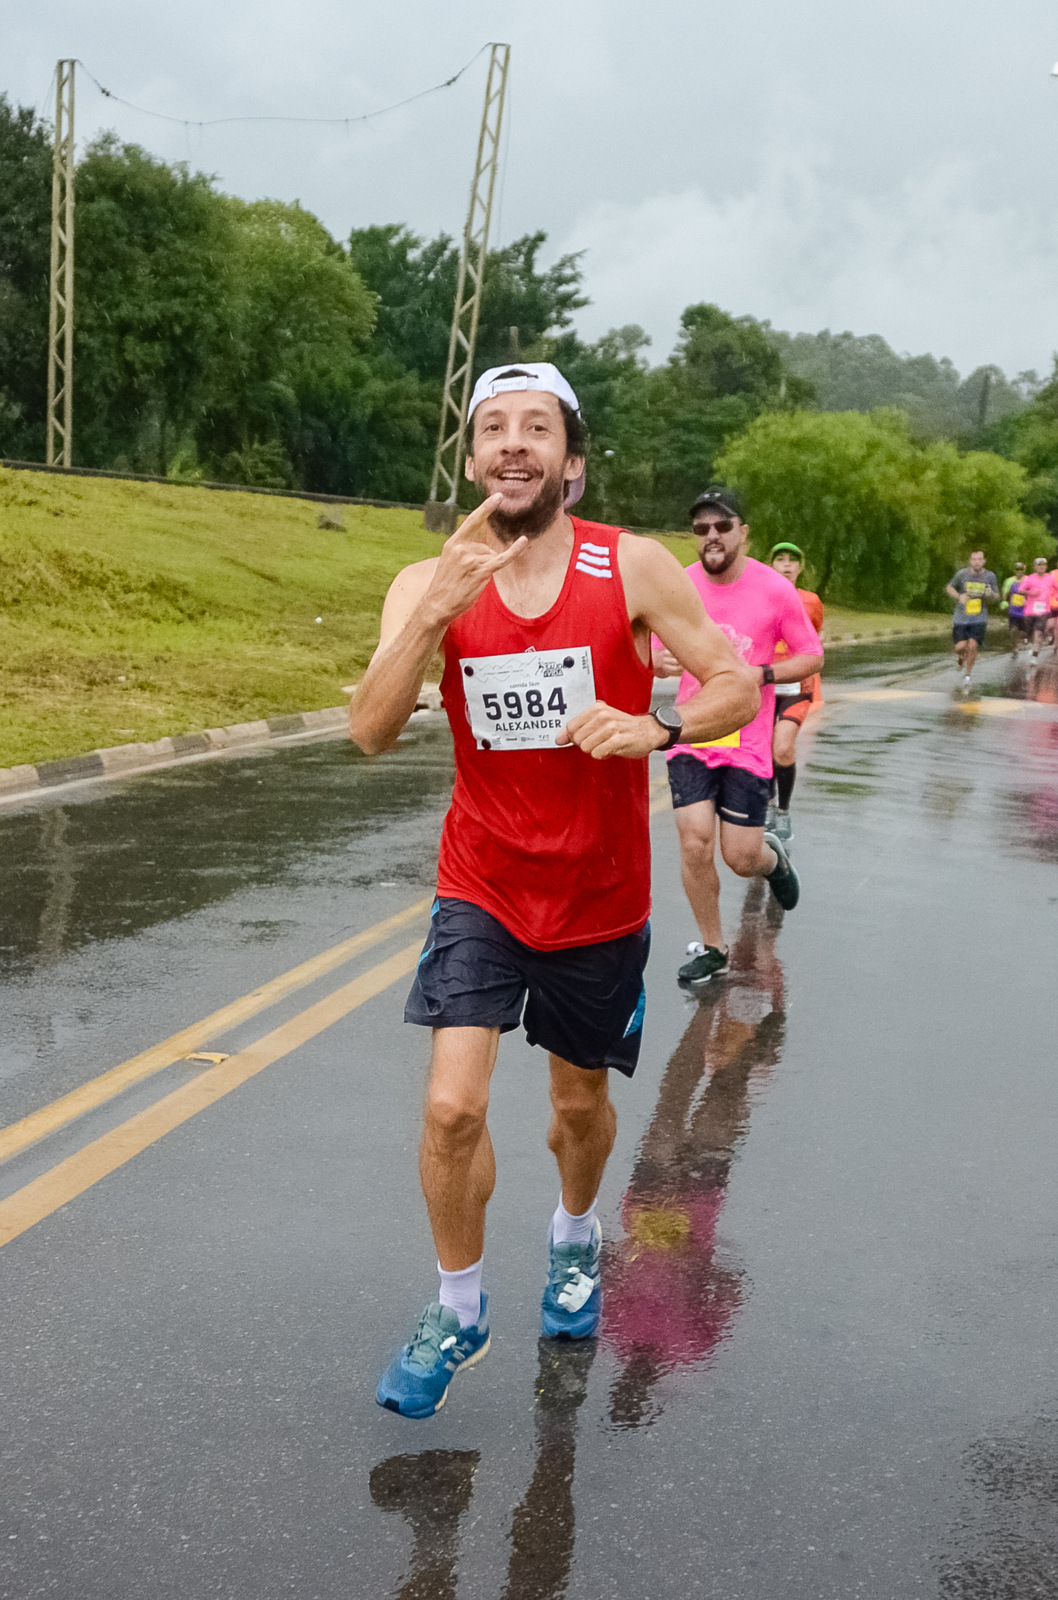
(1030, 600)
(552, 631)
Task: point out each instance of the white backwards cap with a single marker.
(543, 376)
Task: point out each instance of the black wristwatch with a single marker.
(672, 722)
(767, 674)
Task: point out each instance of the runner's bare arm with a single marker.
(793, 669)
(660, 600)
(422, 601)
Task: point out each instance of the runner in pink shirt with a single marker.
(756, 607)
(1037, 588)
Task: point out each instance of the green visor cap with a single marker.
(792, 549)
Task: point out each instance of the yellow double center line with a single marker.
(71, 1177)
(80, 1171)
(99, 1090)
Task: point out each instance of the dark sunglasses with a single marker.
(723, 526)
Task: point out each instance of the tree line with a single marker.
(238, 341)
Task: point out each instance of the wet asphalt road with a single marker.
(827, 1366)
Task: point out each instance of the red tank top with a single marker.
(555, 845)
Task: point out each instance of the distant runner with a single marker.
(793, 701)
(1037, 588)
(543, 885)
(731, 776)
(1012, 601)
(971, 588)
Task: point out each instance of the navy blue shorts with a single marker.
(584, 1004)
(962, 631)
(739, 796)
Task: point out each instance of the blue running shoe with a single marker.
(416, 1381)
(572, 1300)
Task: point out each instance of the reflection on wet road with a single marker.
(826, 1365)
(670, 1295)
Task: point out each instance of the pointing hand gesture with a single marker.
(466, 564)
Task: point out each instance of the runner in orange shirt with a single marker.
(793, 701)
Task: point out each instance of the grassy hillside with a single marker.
(132, 610)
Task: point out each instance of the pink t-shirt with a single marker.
(756, 611)
(1037, 589)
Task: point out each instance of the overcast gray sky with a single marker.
(889, 166)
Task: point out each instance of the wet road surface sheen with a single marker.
(827, 1363)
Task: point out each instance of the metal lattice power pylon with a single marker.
(60, 305)
(440, 516)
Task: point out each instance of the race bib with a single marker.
(1017, 602)
(523, 701)
(787, 688)
(730, 741)
(973, 607)
(1039, 608)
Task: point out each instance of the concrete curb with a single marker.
(125, 760)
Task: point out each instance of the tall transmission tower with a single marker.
(440, 514)
(60, 301)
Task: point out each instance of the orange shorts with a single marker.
(789, 709)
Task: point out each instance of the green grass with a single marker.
(133, 610)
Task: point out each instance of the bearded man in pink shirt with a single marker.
(730, 778)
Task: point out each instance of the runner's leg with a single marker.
(745, 852)
(696, 826)
(582, 1132)
(456, 1161)
(784, 759)
(971, 655)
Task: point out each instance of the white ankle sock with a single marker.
(568, 1229)
(461, 1293)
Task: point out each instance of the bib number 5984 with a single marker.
(533, 706)
(522, 701)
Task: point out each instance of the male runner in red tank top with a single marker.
(543, 891)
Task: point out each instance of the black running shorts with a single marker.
(584, 1004)
(961, 631)
(739, 796)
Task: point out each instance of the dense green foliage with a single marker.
(863, 373)
(1031, 439)
(25, 223)
(221, 339)
(886, 520)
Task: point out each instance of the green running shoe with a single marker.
(782, 880)
(706, 961)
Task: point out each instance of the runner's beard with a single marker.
(709, 560)
(533, 519)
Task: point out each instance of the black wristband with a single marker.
(767, 674)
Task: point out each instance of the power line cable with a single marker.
(215, 122)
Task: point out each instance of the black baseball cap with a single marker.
(718, 497)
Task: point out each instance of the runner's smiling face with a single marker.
(718, 550)
(518, 449)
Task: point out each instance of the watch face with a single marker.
(669, 717)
